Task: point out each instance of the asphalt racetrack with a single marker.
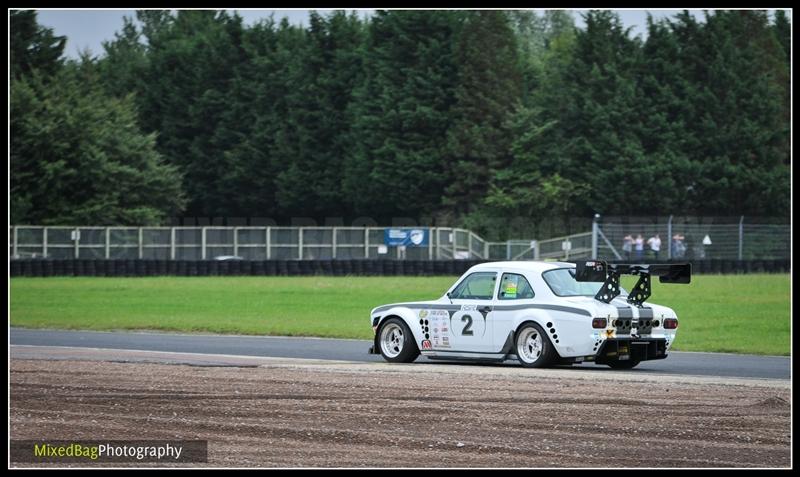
(677, 363)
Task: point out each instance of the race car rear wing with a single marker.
(600, 271)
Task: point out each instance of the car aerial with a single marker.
(540, 313)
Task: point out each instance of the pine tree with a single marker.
(79, 157)
(598, 117)
(741, 132)
(191, 59)
(402, 115)
(489, 89)
(783, 32)
(667, 137)
(32, 46)
(124, 62)
(319, 94)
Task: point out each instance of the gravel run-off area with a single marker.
(286, 413)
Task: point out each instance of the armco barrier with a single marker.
(141, 268)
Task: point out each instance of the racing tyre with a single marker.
(627, 364)
(533, 347)
(397, 343)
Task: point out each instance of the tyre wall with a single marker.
(142, 268)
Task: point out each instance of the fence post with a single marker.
(108, 243)
(366, 242)
(300, 243)
(535, 249)
(333, 245)
(269, 241)
(486, 250)
(141, 243)
(741, 235)
(44, 242)
(236, 241)
(14, 233)
(469, 244)
(172, 243)
(669, 238)
(77, 241)
(430, 243)
(203, 243)
(595, 226)
(508, 249)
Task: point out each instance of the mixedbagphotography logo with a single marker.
(92, 451)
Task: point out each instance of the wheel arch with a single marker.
(400, 314)
(540, 320)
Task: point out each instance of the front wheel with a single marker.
(534, 349)
(397, 342)
(627, 364)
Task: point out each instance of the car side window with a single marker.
(514, 287)
(477, 286)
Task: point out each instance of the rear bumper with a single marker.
(639, 349)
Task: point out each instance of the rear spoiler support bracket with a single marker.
(640, 291)
(610, 288)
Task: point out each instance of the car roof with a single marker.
(525, 266)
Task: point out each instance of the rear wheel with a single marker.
(627, 364)
(534, 349)
(397, 342)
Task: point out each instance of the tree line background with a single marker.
(454, 117)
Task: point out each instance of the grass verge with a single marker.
(724, 313)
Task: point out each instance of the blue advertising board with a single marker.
(407, 237)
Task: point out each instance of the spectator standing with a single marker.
(655, 245)
(627, 247)
(678, 247)
(639, 247)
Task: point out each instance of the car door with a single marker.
(513, 294)
(469, 328)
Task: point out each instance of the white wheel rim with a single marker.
(392, 340)
(529, 345)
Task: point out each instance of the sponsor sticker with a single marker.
(426, 344)
(510, 286)
(423, 313)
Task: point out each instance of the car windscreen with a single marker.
(562, 282)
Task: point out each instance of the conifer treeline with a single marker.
(466, 117)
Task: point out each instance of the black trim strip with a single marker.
(566, 309)
(422, 306)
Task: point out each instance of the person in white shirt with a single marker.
(655, 244)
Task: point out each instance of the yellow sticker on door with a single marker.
(510, 287)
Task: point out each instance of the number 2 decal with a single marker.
(467, 331)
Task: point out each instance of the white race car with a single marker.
(540, 313)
